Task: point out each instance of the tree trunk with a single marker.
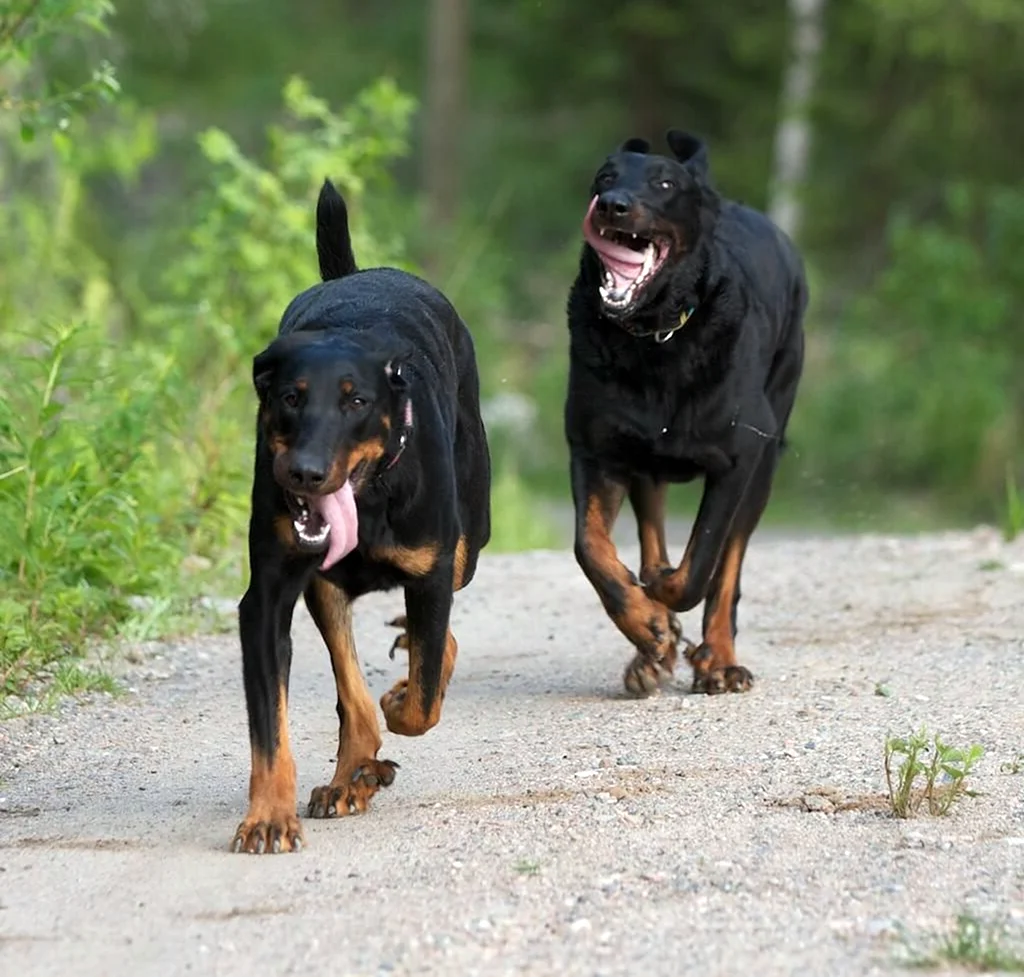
(793, 133)
(443, 117)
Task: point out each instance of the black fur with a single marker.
(334, 386)
(647, 405)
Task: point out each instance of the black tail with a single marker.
(333, 244)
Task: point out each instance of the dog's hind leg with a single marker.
(647, 499)
(413, 705)
(683, 588)
(715, 668)
(359, 774)
(265, 616)
(648, 625)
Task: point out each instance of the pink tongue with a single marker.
(338, 510)
(623, 263)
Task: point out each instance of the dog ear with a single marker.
(688, 149)
(635, 145)
(264, 366)
(396, 372)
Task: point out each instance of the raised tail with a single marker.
(333, 243)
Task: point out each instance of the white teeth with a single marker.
(603, 232)
(634, 237)
(619, 299)
(648, 261)
(312, 538)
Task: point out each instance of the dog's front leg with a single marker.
(265, 617)
(413, 705)
(650, 627)
(359, 774)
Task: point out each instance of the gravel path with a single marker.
(549, 826)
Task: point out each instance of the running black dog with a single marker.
(686, 349)
(372, 472)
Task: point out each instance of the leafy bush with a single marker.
(919, 389)
(125, 458)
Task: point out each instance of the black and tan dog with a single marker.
(372, 472)
(686, 349)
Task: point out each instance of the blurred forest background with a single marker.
(159, 163)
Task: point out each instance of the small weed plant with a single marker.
(922, 772)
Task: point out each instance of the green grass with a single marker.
(518, 521)
(974, 947)
(1013, 522)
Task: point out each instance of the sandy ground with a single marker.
(549, 825)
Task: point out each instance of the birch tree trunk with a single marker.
(793, 133)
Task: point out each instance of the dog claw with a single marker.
(236, 845)
(276, 847)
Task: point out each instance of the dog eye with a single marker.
(666, 184)
(357, 402)
(290, 399)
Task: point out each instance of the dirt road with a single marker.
(550, 826)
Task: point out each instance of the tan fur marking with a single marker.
(460, 564)
(417, 561)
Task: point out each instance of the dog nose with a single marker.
(305, 477)
(614, 203)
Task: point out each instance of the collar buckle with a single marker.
(666, 334)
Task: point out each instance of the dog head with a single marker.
(647, 213)
(327, 411)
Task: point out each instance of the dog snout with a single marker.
(614, 204)
(306, 475)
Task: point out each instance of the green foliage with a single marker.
(29, 32)
(80, 477)
(921, 378)
(124, 466)
(944, 774)
(516, 520)
(975, 947)
(251, 247)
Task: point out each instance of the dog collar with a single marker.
(403, 438)
(666, 334)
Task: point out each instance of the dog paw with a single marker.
(339, 800)
(402, 714)
(278, 832)
(712, 678)
(644, 676)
